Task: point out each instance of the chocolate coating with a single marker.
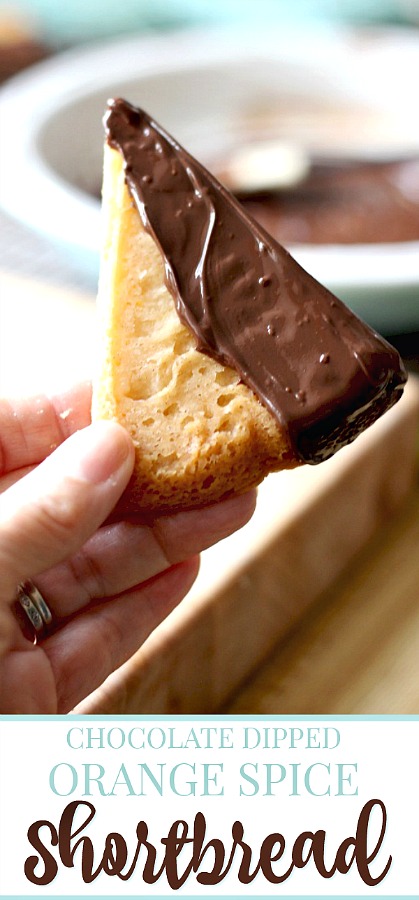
(318, 368)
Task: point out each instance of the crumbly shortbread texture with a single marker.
(199, 433)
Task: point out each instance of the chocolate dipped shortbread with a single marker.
(223, 358)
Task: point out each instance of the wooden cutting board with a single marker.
(254, 588)
(357, 651)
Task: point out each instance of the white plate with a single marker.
(201, 87)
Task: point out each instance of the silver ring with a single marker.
(35, 607)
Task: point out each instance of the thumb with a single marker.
(50, 513)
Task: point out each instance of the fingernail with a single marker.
(105, 449)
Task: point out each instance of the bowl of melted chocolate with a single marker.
(346, 99)
(344, 203)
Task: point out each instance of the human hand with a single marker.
(107, 583)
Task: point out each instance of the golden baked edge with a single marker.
(199, 433)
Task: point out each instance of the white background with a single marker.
(385, 751)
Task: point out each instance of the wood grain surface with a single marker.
(357, 651)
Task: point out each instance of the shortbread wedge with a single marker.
(198, 431)
(221, 356)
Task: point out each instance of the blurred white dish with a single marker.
(205, 88)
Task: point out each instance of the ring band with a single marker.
(35, 607)
(29, 589)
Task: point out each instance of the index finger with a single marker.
(31, 428)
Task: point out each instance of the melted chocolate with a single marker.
(320, 370)
(358, 203)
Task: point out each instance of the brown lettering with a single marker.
(307, 845)
(267, 857)
(363, 858)
(50, 865)
(176, 839)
